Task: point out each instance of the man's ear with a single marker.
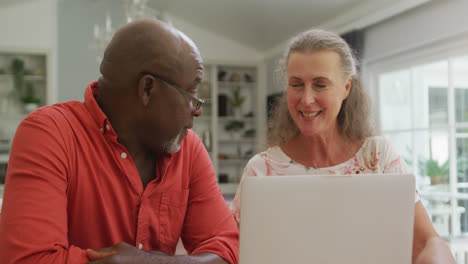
(146, 89)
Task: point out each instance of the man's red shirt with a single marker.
(71, 186)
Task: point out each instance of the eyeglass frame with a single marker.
(198, 102)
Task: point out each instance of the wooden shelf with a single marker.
(223, 119)
(230, 162)
(231, 118)
(34, 77)
(229, 85)
(27, 77)
(237, 141)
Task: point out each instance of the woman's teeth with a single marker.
(309, 115)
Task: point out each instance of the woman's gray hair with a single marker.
(354, 116)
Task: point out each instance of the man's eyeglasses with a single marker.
(195, 102)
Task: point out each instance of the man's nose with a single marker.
(198, 112)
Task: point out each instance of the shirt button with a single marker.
(107, 127)
(140, 246)
(101, 129)
(123, 155)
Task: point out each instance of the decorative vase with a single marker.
(237, 112)
(436, 180)
(29, 107)
(236, 134)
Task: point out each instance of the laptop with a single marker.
(352, 219)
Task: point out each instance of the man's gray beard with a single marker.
(173, 145)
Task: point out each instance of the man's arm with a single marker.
(124, 253)
(209, 225)
(33, 224)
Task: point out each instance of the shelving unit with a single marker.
(12, 100)
(237, 141)
(229, 151)
(4, 158)
(27, 77)
(228, 162)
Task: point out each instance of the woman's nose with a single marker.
(309, 95)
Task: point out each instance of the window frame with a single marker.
(446, 49)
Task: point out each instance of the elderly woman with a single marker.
(321, 126)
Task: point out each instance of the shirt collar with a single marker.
(98, 115)
(91, 104)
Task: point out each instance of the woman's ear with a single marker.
(146, 88)
(348, 85)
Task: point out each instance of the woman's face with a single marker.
(316, 88)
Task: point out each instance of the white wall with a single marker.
(30, 26)
(214, 47)
(433, 21)
(77, 63)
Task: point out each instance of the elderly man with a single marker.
(119, 177)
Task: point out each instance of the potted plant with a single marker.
(30, 101)
(17, 68)
(236, 101)
(234, 126)
(437, 173)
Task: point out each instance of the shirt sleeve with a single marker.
(209, 225)
(33, 223)
(392, 162)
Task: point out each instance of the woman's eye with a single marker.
(296, 84)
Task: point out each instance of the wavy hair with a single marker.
(354, 116)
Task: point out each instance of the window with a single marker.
(423, 110)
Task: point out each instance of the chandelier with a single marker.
(133, 10)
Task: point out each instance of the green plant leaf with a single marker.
(432, 168)
(236, 99)
(17, 67)
(234, 125)
(30, 95)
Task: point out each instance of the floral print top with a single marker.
(375, 156)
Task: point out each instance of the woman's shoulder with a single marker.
(272, 153)
(378, 149)
(272, 161)
(375, 142)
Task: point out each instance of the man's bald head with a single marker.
(139, 104)
(146, 45)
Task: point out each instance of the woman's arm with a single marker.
(428, 246)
